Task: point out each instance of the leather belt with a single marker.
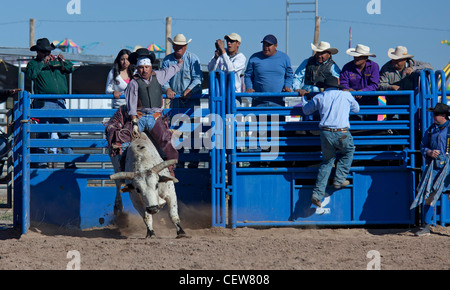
(155, 115)
(335, 130)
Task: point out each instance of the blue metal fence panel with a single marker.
(73, 196)
(279, 192)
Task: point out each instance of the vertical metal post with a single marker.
(25, 219)
(317, 19)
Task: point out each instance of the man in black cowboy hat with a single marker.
(144, 100)
(48, 73)
(435, 151)
(334, 107)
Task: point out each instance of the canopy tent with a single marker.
(156, 48)
(67, 45)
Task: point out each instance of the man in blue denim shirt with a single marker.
(334, 107)
(188, 81)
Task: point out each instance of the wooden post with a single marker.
(317, 31)
(31, 32)
(168, 49)
(168, 34)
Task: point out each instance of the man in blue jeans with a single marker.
(334, 108)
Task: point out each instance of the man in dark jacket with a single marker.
(48, 73)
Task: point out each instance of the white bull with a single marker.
(148, 182)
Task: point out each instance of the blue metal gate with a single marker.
(82, 197)
(262, 164)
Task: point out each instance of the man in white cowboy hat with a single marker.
(229, 59)
(187, 82)
(316, 69)
(361, 74)
(189, 79)
(397, 74)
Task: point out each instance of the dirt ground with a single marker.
(123, 246)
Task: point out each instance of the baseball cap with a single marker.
(233, 36)
(269, 38)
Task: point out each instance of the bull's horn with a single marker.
(122, 175)
(157, 168)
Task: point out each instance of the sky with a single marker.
(104, 27)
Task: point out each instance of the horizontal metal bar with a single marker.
(75, 143)
(69, 158)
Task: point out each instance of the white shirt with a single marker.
(111, 86)
(235, 63)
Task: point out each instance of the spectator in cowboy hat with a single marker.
(189, 79)
(397, 74)
(316, 69)
(48, 73)
(186, 82)
(361, 74)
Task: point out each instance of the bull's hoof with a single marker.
(180, 233)
(183, 236)
(150, 234)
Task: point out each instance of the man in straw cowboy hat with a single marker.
(361, 74)
(316, 69)
(189, 79)
(48, 73)
(435, 179)
(397, 74)
(186, 82)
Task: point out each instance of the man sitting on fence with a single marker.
(334, 107)
(398, 74)
(48, 73)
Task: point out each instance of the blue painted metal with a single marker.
(63, 196)
(383, 176)
(279, 195)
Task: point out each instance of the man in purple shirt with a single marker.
(361, 74)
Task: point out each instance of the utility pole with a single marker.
(168, 34)
(317, 19)
(31, 32)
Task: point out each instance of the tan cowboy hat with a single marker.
(179, 39)
(324, 46)
(399, 52)
(360, 50)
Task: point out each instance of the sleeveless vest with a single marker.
(149, 95)
(317, 72)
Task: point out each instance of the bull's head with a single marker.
(146, 184)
